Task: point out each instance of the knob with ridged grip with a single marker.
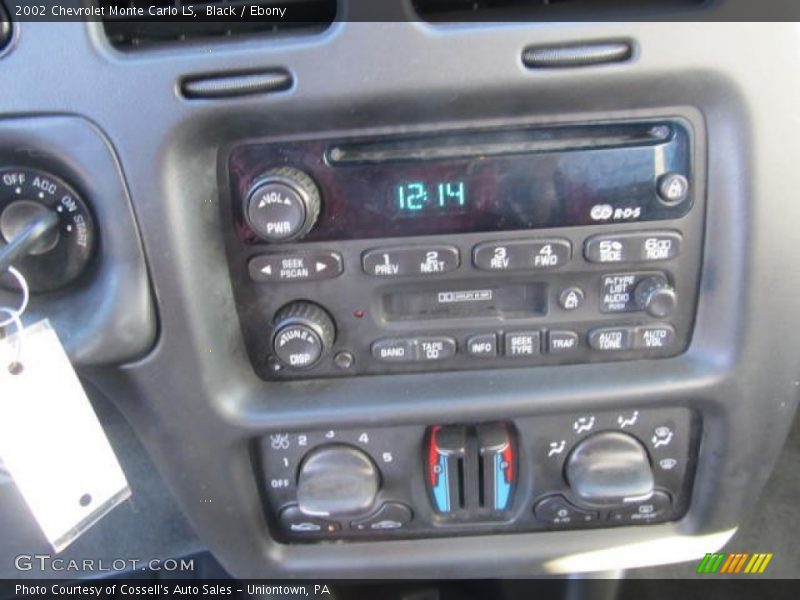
(303, 333)
(282, 204)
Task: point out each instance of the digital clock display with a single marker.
(420, 198)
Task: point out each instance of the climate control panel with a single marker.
(552, 472)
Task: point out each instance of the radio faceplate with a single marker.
(620, 289)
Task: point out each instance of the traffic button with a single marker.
(562, 342)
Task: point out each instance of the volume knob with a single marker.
(304, 332)
(282, 204)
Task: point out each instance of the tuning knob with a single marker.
(304, 332)
(655, 296)
(336, 480)
(608, 467)
(282, 204)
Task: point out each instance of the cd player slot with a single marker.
(465, 145)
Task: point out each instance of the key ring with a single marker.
(15, 315)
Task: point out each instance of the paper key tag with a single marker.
(51, 442)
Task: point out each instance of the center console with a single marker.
(463, 250)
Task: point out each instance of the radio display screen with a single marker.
(479, 182)
(420, 198)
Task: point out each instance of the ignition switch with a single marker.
(49, 224)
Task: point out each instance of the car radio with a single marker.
(465, 249)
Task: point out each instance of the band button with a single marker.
(399, 350)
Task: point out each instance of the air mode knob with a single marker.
(337, 480)
(608, 467)
(655, 296)
(282, 204)
(303, 333)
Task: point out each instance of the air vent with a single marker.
(547, 10)
(134, 24)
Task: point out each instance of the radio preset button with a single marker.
(522, 255)
(287, 266)
(399, 262)
(653, 337)
(398, 350)
(611, 339)
(483, 345)
(519, 344)
(562, 342)
(633, 247)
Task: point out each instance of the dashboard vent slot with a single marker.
(547, 10)
(134, 24)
